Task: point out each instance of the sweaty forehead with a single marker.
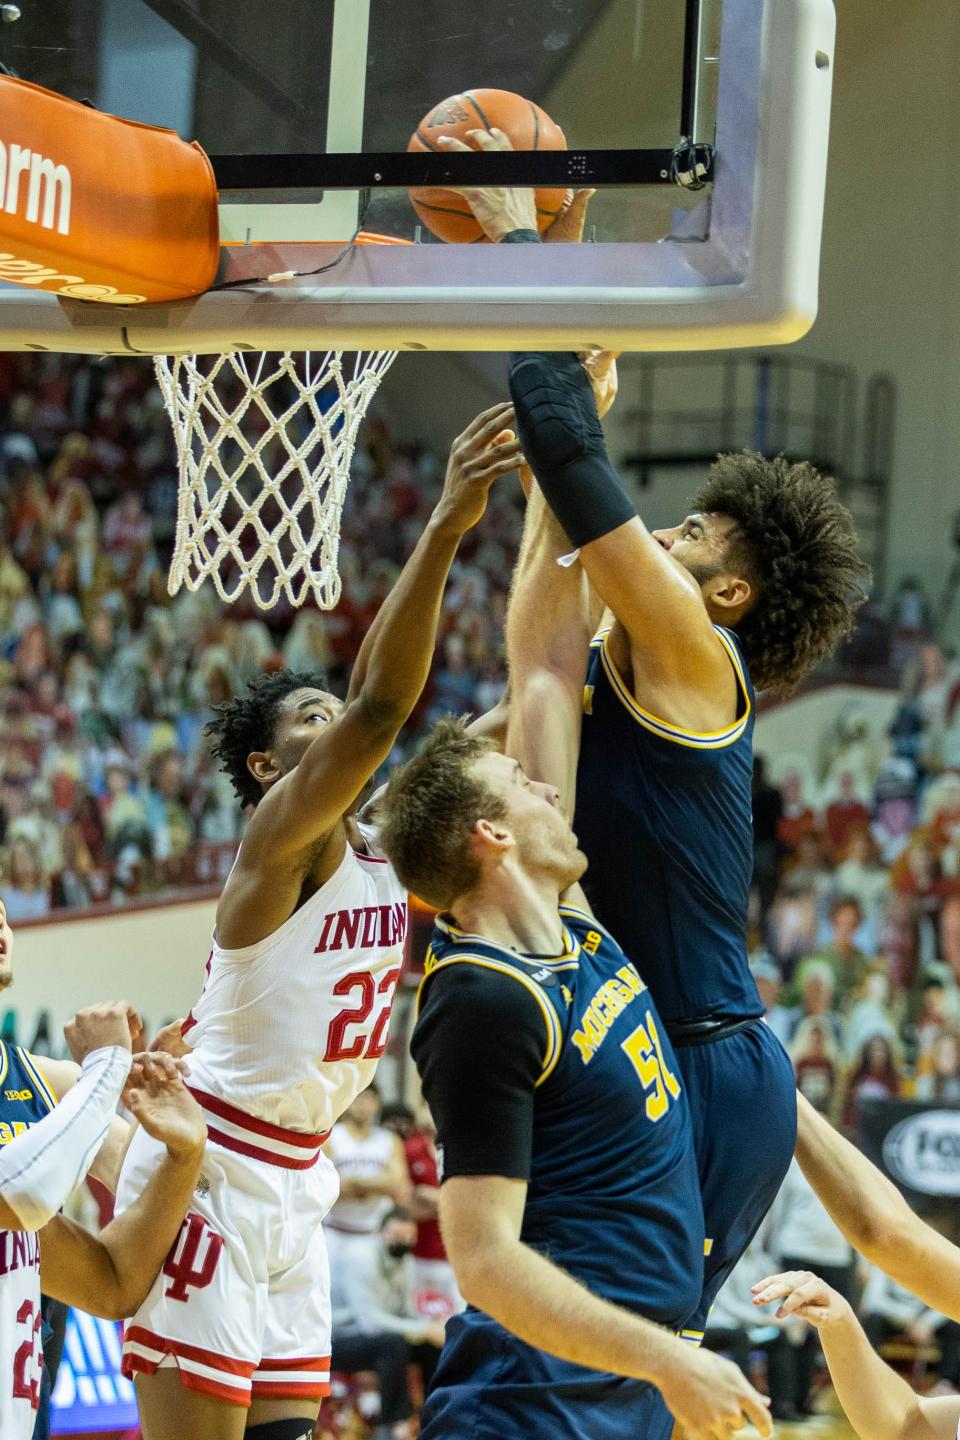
(303, 699)
(496, 768)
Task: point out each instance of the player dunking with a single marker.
(762, 578)
(756, 586)
(293, 1016)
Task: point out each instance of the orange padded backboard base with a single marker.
(97, 208)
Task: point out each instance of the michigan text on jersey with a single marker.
(608, 1002)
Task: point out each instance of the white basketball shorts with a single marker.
(242, 1304)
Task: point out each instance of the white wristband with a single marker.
(38, 1170)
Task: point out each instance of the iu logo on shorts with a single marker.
(194, 1258)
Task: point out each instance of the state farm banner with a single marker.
(98, 208)
(917, 1145)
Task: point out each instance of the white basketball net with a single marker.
(264, 444)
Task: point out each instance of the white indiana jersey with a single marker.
(361, 1157)
(21, 1354)
(290, 1030)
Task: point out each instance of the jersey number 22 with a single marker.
(361, 986)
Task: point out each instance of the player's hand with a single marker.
(803, 1294)
(498, 209)
(567, 227)
(436, 1335)
(156, 1095)
(97, 1026)
(487, 449)
(170, 1040)
(711, 1396)
(601, 366)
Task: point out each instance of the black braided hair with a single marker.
(797, 544)
(248, 722)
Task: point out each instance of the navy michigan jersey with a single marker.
(25, 1098)
(612, 1190)
(664, 816)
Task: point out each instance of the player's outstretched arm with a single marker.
(551, 618)
(874, 1216)
(61, 1076)
(879, 1404)
(548, 647)
(393, 664)
(111, 1273)
(653, 597)
(40, 1168)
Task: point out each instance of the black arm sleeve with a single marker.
(479, 1045)
(563, 443)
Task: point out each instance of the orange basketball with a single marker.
(443, 211)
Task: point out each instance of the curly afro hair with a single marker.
(248, 723)
(797, 545)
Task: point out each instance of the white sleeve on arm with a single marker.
(40, 1168)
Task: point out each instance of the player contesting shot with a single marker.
(570, 1202)
(754, 587)
(294, 1012)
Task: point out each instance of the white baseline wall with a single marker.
(153, 957)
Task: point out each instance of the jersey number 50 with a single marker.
(645, 1050)
(366, 990)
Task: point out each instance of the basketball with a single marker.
(446, 213)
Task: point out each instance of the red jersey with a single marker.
(422, 1164)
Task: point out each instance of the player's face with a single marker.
(544, 840)
(6, 949)
(303, 714)
(698, 543)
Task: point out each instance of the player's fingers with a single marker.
(756, 1408)
(496, 418)
(509, 453)
(774, 1287)
(450, 142)
(815, 1314)
(809, 1292)
(492, 139)
(163, 1066)
(599, 362)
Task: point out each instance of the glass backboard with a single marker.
(307, 107)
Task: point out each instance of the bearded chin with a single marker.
(701, 572)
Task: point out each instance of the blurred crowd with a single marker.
(106, 788)
(856, 914)
(107, 793)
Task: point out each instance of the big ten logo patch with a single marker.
(193, 1261)
(592, 942)
(18, 1094)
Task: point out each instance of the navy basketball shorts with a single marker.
(743, 1098)
(491, 1386)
